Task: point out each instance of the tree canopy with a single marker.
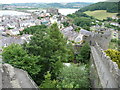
(33, 29)
(18, 57)
(109, 6)
(84, 53)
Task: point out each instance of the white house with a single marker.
(13, 32)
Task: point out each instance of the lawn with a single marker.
(100, 14)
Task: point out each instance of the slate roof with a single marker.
(85, 32)
(10, 40)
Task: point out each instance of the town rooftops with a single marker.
(70, 28)
(85, 32)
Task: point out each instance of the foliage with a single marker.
(109, 6)
(78, 29)
(114, 44)
(39, 18)
(114, 55)
(48, 83)
(70, 52)
(112, 26)
(18, 57)
(99, 23)
(109, 19)
(66, 24)
(84, 54)
(46, 51)
(77, 14)
(114, 40)
(73, 77)
(9, 28)
(33, 29)
(51, 47)
(100, 14)
(83, 22)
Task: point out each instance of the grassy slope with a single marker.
(100, 14)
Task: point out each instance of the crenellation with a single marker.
(14, 78)
(109, 65)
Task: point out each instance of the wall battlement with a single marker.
(16, 78)
(111, 66)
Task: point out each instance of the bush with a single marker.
(114, 40)
(33, 29)
(78, 29)
(66, 24)
(84, 55)
(114, 55)
(73, 77)
(18, 57)
(48, 83)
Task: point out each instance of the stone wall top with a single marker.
(112, 66)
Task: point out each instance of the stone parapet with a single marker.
(111, 66)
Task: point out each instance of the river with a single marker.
(11, 12)
(67, 11)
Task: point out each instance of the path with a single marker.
(105, 76)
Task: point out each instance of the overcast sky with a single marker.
(45, 1)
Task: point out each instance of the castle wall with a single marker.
(16, 78)
(107, 71)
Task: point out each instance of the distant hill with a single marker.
(109, 6)
(76, 5)
(100, 14)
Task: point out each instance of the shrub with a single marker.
(73, 77)
(84, 54)
(114, 55)
(48, 83)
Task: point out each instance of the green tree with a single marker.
(33, 29)
(73, 77)
(83, 22)
(66, 24)
(48, 83)
(51, 47)
(70, 52)
(99, 23)
(84, 54)
(78, 29)
(18, 57)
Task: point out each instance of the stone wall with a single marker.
(16, 78)
(11, 74)
(110, 65)
(107, 70)
(94, 77)
(102, 39)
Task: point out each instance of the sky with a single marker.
(45, 1)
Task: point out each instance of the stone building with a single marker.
(52, 11)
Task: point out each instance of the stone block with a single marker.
(10, 71)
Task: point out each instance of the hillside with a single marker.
(100, 14)
(54, 5)
(109, 6)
